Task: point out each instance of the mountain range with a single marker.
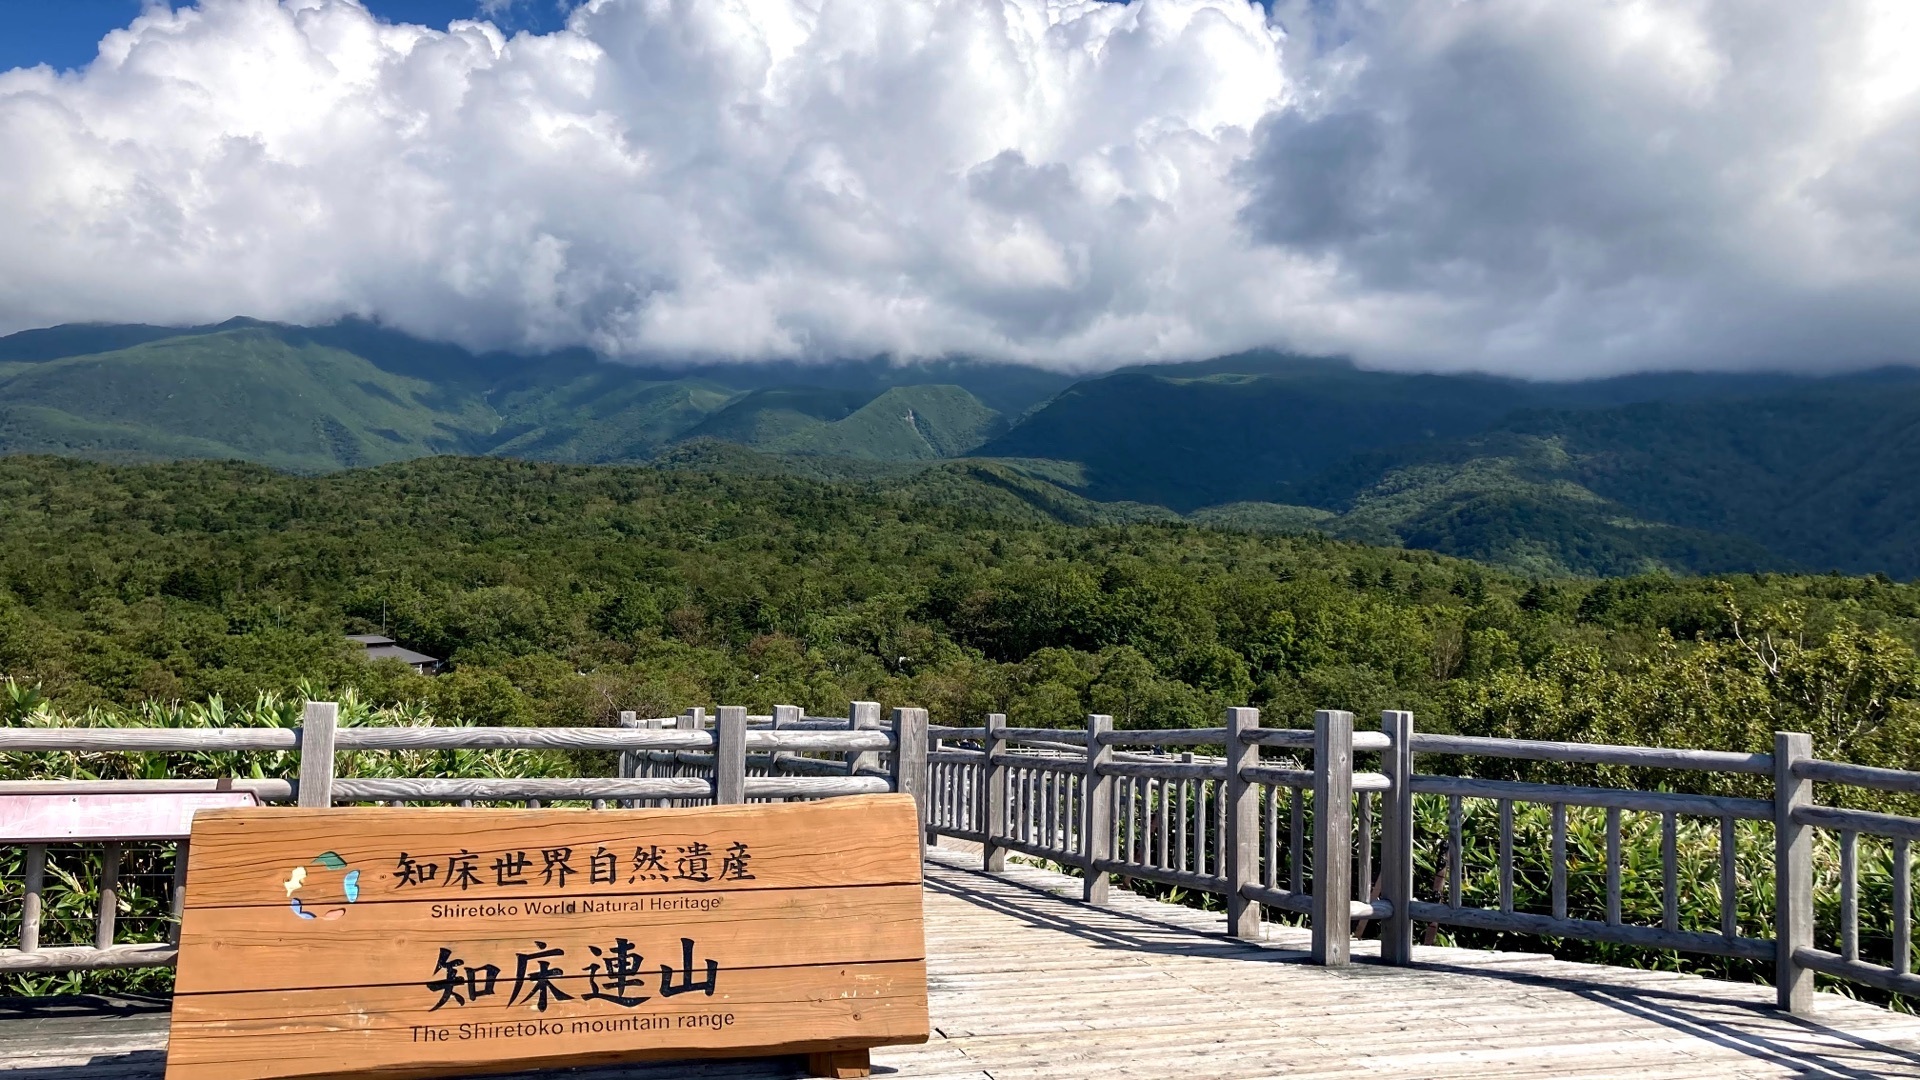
(1678, 472)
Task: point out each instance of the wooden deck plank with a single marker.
(1027, 983)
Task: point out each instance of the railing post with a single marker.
(1396, 839)
(993, 794)
(316, 752)
(1242, 839)
(629, 760)
(1793, 873)
(1332, 836)
(1096, 811)
(910, 760)
(864, 716)
(730, 756)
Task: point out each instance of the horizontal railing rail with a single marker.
(1324, 838)
(692, 759)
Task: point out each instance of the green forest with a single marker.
(562, 594)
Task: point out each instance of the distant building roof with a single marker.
(406, 656)
(370, 639)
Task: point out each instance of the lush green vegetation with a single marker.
(562, 594)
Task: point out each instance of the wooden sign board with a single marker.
(392, 943)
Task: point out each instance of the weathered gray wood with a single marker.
(1650, 757)
(107, 911)
(730, 756)
(1867, 776)
(33, 880)
(526, 738)
(1186, 879)
(177, 894)
(1669, 872)
(1063, 736)
(1241, 839)
(941, 731)
(1291, 738)
(1613, 866)
(83, 958)
(1902, 907)
(1332, 836)
(866, 716)
(147, 739)
(993, 794)
(1505, 868)
(1793, 872)
(1587, 930)
(1172, 737)
(1559, 860)
(1811, 960)
(1165, 770)
(1849, 895)
(1729, 879)
(430, 789)
(1455, 855)
(969, 758)
(317, 733)
(1658, 802)
(1396, 838)
(813, 787)
(910, 759)
(837, 741)
(1296, 841)
(1839, 819)
(1096, 823)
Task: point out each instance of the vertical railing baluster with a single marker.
(33, 879)
(1849, 895)
(1128, 784)
(1296, 840)
(1200, 852)
(1729, 880)
(1186, 806)
(1559, 860)
(107, 914)
(1902, 909)
(1165, 789)
(1669, 871)
(1456, 853)
(1271, 878)
(1363, 833)
(1506, 854)
(1613, 866)
(181, 854)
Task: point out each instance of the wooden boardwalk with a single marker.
(1026, 984)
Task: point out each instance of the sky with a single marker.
(1548, 188)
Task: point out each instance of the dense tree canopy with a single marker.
(562, 594)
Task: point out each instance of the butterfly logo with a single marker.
(329, 863)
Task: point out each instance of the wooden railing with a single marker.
(693, 759)
(1273, 833)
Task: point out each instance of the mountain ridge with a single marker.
(1677, 472)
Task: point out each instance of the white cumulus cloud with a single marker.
(1534, 186)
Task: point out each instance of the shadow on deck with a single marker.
(1027, 982)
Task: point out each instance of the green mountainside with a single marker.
(1676, 472)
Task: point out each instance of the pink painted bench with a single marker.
(138, 812)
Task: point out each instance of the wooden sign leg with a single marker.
(840, 1064)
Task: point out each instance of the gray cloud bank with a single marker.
(1541, 187)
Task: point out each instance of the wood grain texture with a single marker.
(268, 948)
(241, 857)
(337, 942)
(378, 1033)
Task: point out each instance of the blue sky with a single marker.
(65, 33)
